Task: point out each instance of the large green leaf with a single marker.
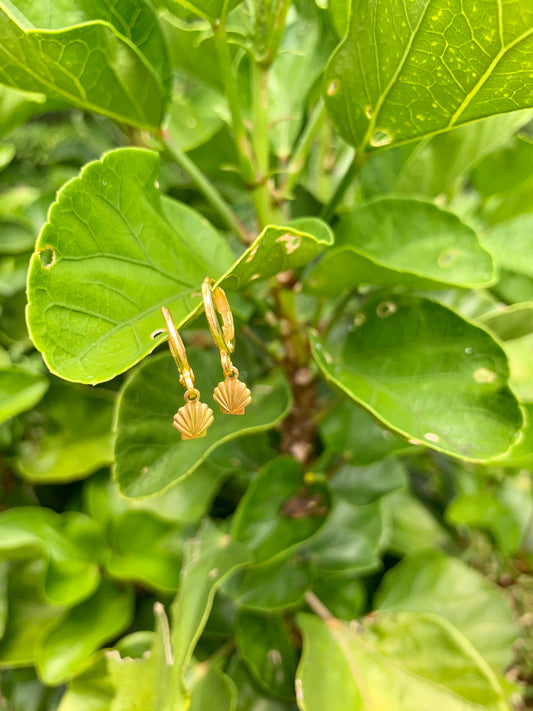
(128, 255)
(427, 374)
(20, 390)
(91, 66)
(74, 438)
(208, 560)
(65, 645)
(71, 543)
(279, 510)
(402, 241)
(399, 661)
(128, 252)
(432, 582)
(404, 72)
(149, 453)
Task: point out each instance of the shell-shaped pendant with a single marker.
(193, 419)
(233, 396)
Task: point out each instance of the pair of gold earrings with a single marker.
(193, 419)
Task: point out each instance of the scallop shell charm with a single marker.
(233, 396)
(193, 419)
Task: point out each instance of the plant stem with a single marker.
(353, 170)
(299, 156)
(260, 142)
(276, 32)
(317, 606)
(206, 187)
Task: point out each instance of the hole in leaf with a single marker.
(369, 112)
(47, 257)
(386, 308)
(158, 332)
(380, 138)
(333, 87)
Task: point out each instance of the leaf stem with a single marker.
(260, 142)
(318, 606)
(206, 187)
(299, 156)
(276, 32)
(349, 176)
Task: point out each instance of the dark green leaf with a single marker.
(427, 374)
(391, 664)
(407, 72)
(279, 510)
(432, 582)
(402, 241)
(149, 454)
(267, 646)
(99, 70)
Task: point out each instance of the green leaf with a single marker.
(427, 68)
(412, 527)
(520, 362)
(521, 454)
(16, 107)
(510, 244)
(71, 542)
(129, 254)
(143, 549)
(66, 645)
(210, 10)
(391, 664)
(434, 165)
(90, 66)
(20, 390)
(402, 241)
(3, 597)
(211, 688)
(510, 322)
(350, 430)
(76, 436)
(504, 170)
(150, 456)
(17, 236)
(352, 534)
(428, 375)
(280, 510)
(267, 646)
(195, 115)
(432, 582)
(29, 614)
(344, 595)
(208, 560)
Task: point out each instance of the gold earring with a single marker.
(232, 395)
(193, 419)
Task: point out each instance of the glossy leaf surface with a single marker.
(401, 241)
(404, 72)
(19, 391)
(427, 374)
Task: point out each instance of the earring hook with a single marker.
(178, 352)
(217, 302)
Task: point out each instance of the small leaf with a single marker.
(90, 66)
(210, 10)
(427, 68)
(65, 646)
(109, 234)
(20, 390)
(504, 170)
(402, 241)
(390, 664)
(510, 322)
(279, 511)
(267, 646)
(211, 688)
(427, 374)
(432, 582)
(149, 454)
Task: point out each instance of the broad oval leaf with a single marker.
(19, 391)
(90, 66)
(407, 71)
(402, 241)
(427, 374)
(149, 453)
(110, 255)
(432, 582)
(390, 663)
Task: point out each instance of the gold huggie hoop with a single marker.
(193, 419)
(232, 395)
